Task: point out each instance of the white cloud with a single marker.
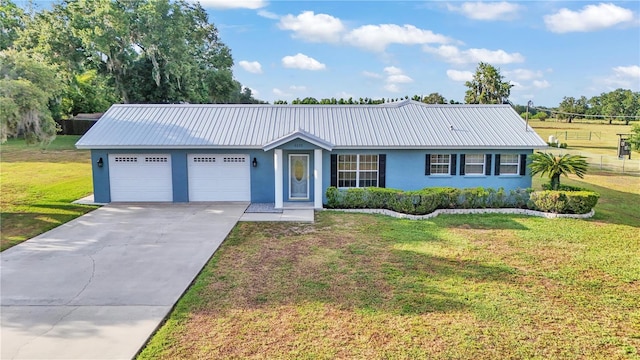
(298, 88)
(627, 77)
(632, 71)
(457, 75)
(233, 4)
(392, 88)
(589, 18)
(541, 84)
(454, 55)
(517, 85)
(523, 74)
(254, 92)
(313, 27)
(253, 67)
(372, 75)
(394, 77)
(279, 92)
(302, 61)
(268, 14)
(487, 10)
(378, 37)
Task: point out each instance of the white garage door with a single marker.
(219, 177)
(140, 177)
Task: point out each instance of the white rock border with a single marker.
(468, 211)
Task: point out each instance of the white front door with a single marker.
(298, 176)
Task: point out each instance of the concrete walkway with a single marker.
(98, 286)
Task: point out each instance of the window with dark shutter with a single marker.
(454, 157)
(496, 170)
(427, 164)
(487, 164)
(523, 164)
(382, 170)
(334, 170)
(462, 159)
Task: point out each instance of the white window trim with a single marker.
(357, 170)
(517, 173)
(431, 164)
(466, 162)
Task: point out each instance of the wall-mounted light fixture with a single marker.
(100, 162)
(254, 162)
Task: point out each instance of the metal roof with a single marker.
(408, 124)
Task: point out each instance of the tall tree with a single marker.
(570, 108)
(27, 86)
(11, 22)
(487, 86)
(434, 98)
(149, 50)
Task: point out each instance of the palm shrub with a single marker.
(554, 166)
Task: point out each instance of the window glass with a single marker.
(357, 170)
(474, 164)
(509, 164)
(440, 164)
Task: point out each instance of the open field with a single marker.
(39, 186)
(600, 150)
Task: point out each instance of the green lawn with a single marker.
(38, 187)
(455, 287)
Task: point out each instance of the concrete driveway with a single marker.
(98, 286)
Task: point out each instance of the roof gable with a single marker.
(299, 134)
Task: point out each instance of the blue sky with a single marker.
(288, 49)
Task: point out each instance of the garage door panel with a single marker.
(145, 177)
(219, 177)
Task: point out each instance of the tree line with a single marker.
(83, 56)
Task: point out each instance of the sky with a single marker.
(388, 49)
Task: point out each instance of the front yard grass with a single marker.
(38, 187)
(453, 287)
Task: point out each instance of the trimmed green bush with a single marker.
(569, 200)
(427, 200)
(564, 202)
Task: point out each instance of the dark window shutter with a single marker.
(382, 170)
(334, 170)
(452, 164)
(487, 164)
(523, 164)
(427, 164)
(496, 169)
(462, 159)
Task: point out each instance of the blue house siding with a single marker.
(101, 190)
(405, 170)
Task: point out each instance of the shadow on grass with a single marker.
(614, 207)
(363, 272)
(17, 227)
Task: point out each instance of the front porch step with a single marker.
(297, 205)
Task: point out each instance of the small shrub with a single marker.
(549, 201)
(563, 145)
(333, 197)
(564, 202)
(581, 202)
